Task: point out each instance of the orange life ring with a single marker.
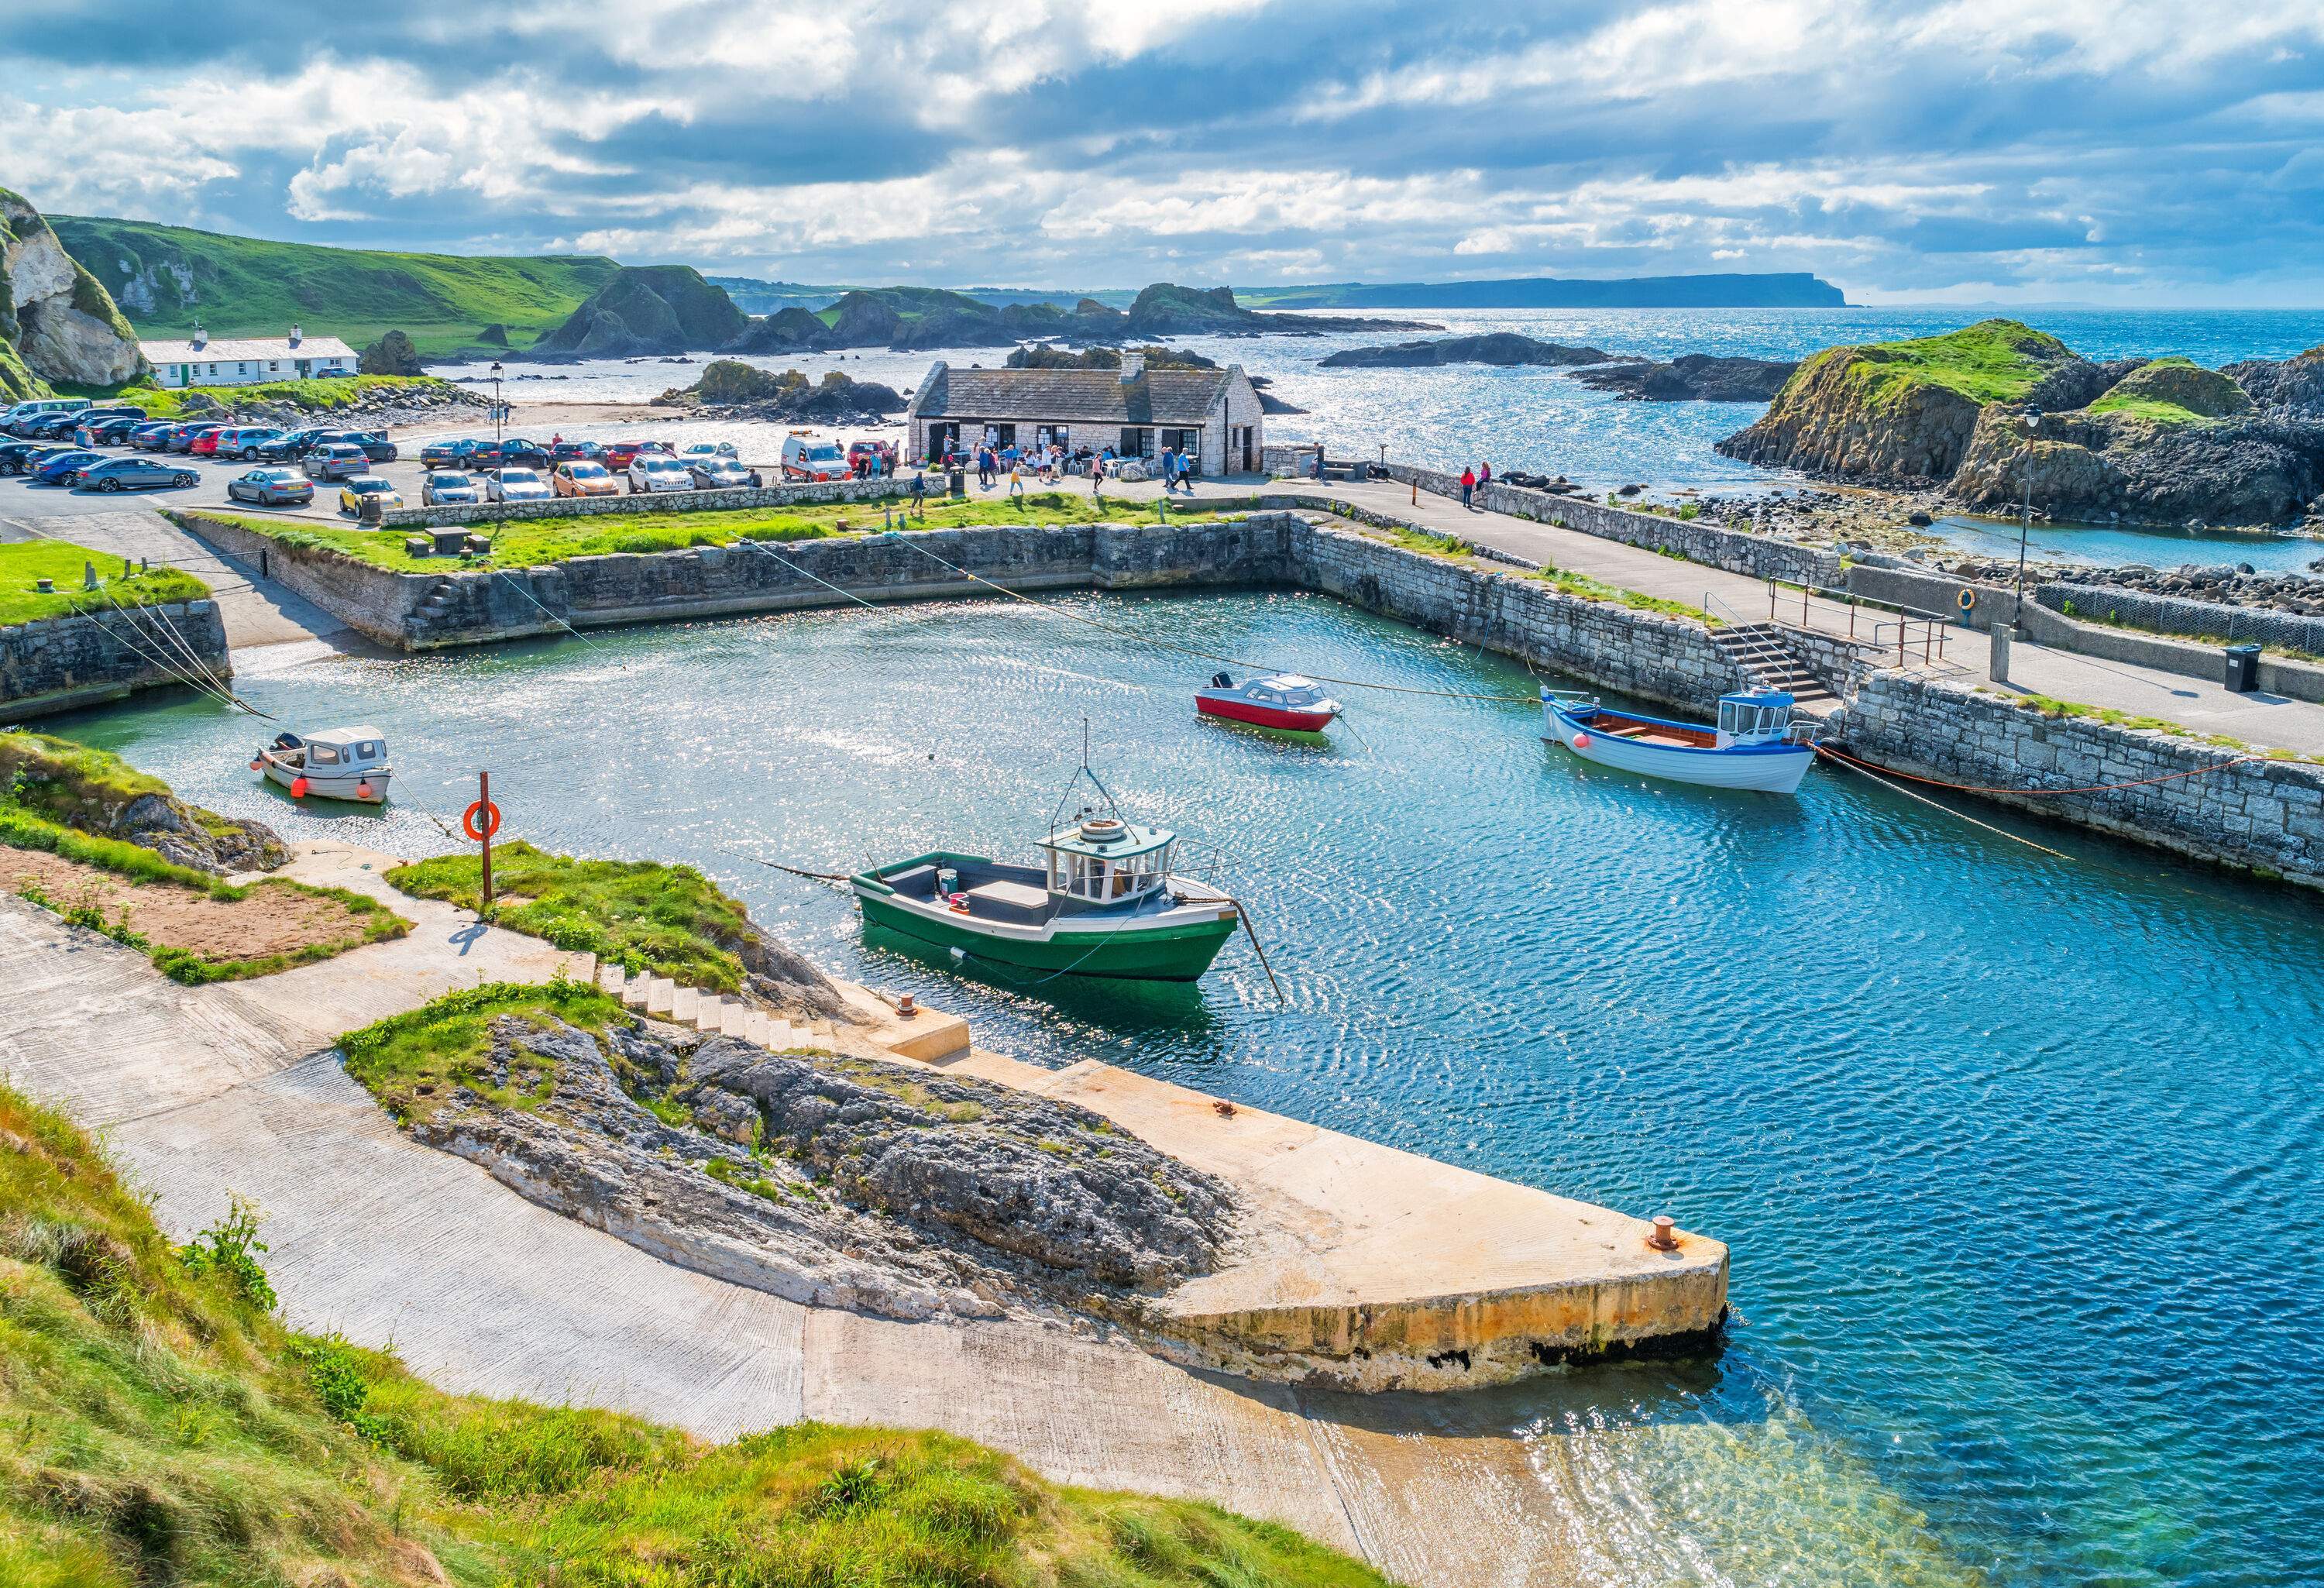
(487, 828)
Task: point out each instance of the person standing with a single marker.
(1169, 468)
(1097, 478)
(920, 493)
(1468, 489)
(1187, 472)
(1016, 479)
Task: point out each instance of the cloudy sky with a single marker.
(2143, 151)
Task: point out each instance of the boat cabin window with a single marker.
(323, 754)
(366, 751)
(1101, 881)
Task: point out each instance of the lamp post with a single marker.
(499, 408)
(2031, 419)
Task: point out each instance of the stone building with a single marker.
(245, 360)
(1211, 413)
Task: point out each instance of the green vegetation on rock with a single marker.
(413, 1062)
(1992, 361)
(2174, 391)
(23, 563)
(165, 276)
(166, 1427)
(319, 396)
(645, 916)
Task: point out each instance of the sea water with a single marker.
(2017, 1153)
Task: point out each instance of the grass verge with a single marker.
(645, 916)
(321, 396)
(1428, 543)
(165, 1428)
(540, 541)
(413, 1062)
(23, 563)
(20, 828)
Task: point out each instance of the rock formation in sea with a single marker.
(57, 321)
(1692, 377)
(2156, 440)
(645, 310)
(745, 390)
(1502, 348)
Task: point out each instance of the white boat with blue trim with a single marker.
(1755, 744)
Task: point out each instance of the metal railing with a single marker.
(1912, 628)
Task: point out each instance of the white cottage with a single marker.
(1211, 413)
(244, 361)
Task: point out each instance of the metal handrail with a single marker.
(1934, 624)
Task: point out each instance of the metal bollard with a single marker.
(1666, 1236)
(2003, 633)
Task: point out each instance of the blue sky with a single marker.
(2101, 150)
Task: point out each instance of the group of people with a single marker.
(1050, 462)
(1473, 478)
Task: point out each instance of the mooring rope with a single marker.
(1243, 663)
(1898, 788)
(568, 628)
(2040, 793)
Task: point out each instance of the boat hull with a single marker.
(1164, 953)
(332, 785)
(1232, 709)
(1771, 768)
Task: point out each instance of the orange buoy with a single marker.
(363, 790)
(1581, 741)
(480, 821)
(298, 788)
(257, 766)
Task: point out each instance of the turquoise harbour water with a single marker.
(2017, 1155)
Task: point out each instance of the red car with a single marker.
(621, 454)
(205, 444)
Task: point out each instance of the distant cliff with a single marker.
(1786, 291)
(1504, 349)
(647, 309)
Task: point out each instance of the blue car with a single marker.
(137, 474)
(65, 468)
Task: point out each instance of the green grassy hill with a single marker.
(164, 1428)
(163, 276)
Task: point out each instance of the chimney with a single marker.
(295, 335)
(1133, 366)
(201, 336)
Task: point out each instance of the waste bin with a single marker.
(957, 482)
(2242, 669)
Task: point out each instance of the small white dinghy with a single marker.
(1755, 744)
(340, 763)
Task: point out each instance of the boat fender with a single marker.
(299, 788)
(258, 766)
(1581, 741)
(363, 790)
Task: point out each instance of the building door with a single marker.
(1244, 438)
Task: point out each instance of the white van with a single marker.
(806, 458)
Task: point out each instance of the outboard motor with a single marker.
(1221, 681)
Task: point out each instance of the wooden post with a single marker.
(484, 821)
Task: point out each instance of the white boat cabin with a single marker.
(1754, 717)
(346, 749)
(1106, 861)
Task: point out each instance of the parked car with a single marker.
(153, 436)
(511, 452)
(697, 451)
(445, 488)
(577, 452)
(279, 486)
(113, 431)
(375, 445)
(621, 454)
(658, 471)
(243, 441)
(448, 454)
(354, 490)
(66, 468)
(516, 484)
(583, 478)
(717, 473)
(18, 418)
(878, 457)
(48, 427)
(805, 458)
(137, 474)
(205, 444)
(336, 460)
(182, 439)
(20, 457)
(291, 445)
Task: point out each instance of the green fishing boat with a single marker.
(1103, 903)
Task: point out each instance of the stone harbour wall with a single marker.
(2176, 614)
(491, 512)
(60, 664)
(2266, 816)
(377, 603)
(1760, 556)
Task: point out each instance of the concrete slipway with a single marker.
(200, 1092)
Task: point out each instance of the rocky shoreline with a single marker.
(836, 1180)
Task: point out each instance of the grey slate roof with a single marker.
(1179, 398)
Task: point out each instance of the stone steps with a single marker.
(712, 1012)
(1763, 656)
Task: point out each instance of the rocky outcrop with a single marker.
(1042, 355)
(744, 389)
(97, 793)
(57, 321)
(1901, 413)
(2292, 387)
(647, 311)
(1167, 310)
(2117, 463)
(1502, 348)
(1693, 377)
(839, 1182)
(391, 354)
